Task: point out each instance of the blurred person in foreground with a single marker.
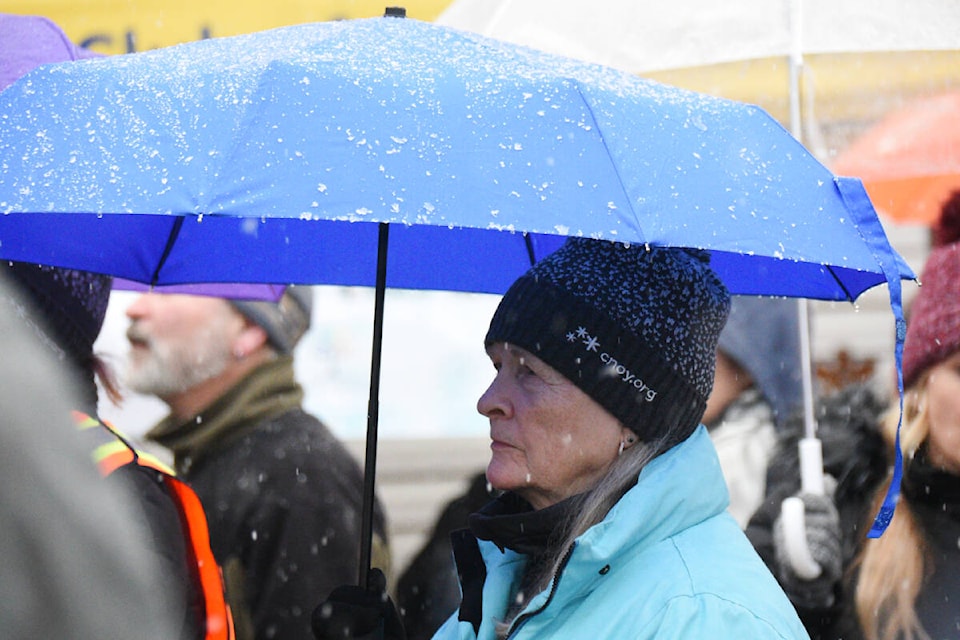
(756, 387)
(282, 494)
(67, 308)
(613, 522)
(903, 584)
(72, 546)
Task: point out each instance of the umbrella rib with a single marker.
(171, 240)
(613, 165)
(840, 284)
(531, 253)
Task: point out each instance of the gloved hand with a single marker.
(359, 614)
(822, 523)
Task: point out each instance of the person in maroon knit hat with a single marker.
(909, 576)
(934, 330)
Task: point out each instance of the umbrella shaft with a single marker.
(806, 357)
(373, 411)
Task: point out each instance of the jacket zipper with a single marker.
(519, 620)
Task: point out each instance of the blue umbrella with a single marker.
(289, 155)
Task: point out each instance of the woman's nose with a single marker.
(491, 402)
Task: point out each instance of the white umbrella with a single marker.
(644, 35)
(663, 39)
(703, 45)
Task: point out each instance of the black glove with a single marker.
(352, 612)
(822, 523)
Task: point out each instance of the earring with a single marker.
(620, 450)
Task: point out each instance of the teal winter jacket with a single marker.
(668, 561)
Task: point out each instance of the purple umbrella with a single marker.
(29, 41)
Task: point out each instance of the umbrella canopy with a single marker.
(861, 58)
(910, 160)
(684, 33)
(269, 143)
(298, 155)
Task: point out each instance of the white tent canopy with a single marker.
(650, 35)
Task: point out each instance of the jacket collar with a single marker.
(268, 391)
(675, 491)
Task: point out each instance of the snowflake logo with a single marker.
(591, 343)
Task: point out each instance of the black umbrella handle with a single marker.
(373, 410)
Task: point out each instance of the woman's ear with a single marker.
(627, 437)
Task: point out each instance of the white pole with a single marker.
(811, 452)
(796, 128)
(796, 64)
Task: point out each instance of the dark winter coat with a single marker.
(934, 497)
(283, 499)
(428, 591)
(855, 454)
(160, 519)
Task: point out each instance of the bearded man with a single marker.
(282, 495)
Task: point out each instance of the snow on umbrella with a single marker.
(300, 154)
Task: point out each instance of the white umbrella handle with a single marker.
(792, 511)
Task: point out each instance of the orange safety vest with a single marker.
(111, 452)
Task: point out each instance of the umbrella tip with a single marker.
(395, 12)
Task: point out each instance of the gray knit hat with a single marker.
(762, 335)
(285, 321)
(634, 327)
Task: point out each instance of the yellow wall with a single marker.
(121, 26)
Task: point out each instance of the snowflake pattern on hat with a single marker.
(668, 297)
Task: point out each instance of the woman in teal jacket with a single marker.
(668, 561)
(612, 522)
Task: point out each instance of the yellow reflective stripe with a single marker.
(110, 458)
(111, 450)
(150, 460)
(83, 421)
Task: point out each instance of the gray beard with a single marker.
(170, 371)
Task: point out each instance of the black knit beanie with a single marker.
(71, 305)
(635, 327)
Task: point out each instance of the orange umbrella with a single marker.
(910, 160)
